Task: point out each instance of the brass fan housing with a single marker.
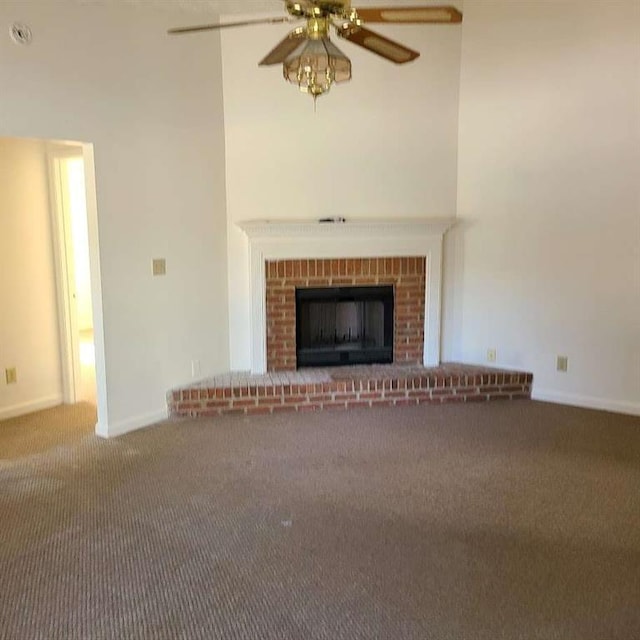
(318, 8)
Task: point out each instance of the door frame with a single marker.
(64, 267)
(69, 348)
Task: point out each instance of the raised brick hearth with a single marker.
(406, 275)
(346, 387)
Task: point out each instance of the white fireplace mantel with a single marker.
(263, 229)
(379, 237)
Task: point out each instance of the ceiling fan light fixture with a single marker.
(316, 65)
(312, 62)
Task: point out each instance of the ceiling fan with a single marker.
(309, 58)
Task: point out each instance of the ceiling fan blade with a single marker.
(372, 41)
(243, 23)
(282, 50)
(410, 14)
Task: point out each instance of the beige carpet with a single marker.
(498, 521)
(40, 431)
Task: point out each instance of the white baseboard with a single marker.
(23, 408)
(114, 429)
(588, 402)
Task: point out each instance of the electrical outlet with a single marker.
(159, 266)
(195, 368)
(492, 355)
(562, 363)
(11, 375)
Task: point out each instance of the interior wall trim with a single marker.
(586, 402)
(38, 404)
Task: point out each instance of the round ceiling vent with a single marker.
(20, 33)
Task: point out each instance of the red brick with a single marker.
(441, 392)
(185, 406)
(395, 394)
(342, 281)
(489, 389)
(512, 387)
(249, 402)
(463, 390)
(294, 399)
(211, 404)
(381, 402)
(345, 396)
(233, 411)
(209, 413)
(334, 405)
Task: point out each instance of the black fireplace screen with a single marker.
(344, 325)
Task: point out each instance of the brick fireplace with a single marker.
(285, 254)
(406, 274)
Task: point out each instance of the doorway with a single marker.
(73, 273)
(51, 334)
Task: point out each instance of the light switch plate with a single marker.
(11, 375)
(159, 267)
(562, 363)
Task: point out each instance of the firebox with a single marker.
(344, 325)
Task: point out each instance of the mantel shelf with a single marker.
(258, 229)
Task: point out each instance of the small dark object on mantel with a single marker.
(336, 219)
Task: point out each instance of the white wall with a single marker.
(28, 313)
(382, 145)
(151, 105)
(547, 259)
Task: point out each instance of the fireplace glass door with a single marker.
(344, 325)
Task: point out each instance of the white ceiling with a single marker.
(275, 7)
(228, 6)
(198, 6)
(251, 6)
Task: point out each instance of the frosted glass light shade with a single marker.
(315, 65)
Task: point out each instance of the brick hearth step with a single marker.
(346, 387)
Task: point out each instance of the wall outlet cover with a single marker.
(562, 363)
(11, 375)
(159, 266)
(492, 355)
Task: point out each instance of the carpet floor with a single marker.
(499, 521)
(40, 431)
